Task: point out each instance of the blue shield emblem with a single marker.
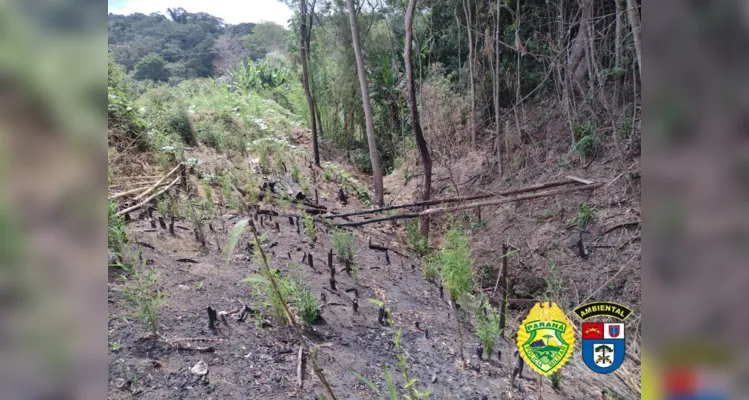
(605, 353)
(614, 330)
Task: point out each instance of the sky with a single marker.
(231, 11)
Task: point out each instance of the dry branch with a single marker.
(457, 199)
(127, 192)
(144, 202)
(150, 189)
(444, 210)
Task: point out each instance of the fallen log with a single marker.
(127, 192)
(457, 199)
(144, 202)
(140, 196)
(444, 210)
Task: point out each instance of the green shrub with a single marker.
(178, 122)
(309, 225)
(304, 301)
(431, 269)
(116, 234)
(456, 264)
(556, 379)
(585, 215)
(586, 140)
(144, 295)
(487, 327)
(420, 245)
(343, 244)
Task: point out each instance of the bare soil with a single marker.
(258, 359)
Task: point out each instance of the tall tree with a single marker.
(425, 159)
(303, 43)
(374, 155)
(634, 22)
(469, 28)
(495, 86)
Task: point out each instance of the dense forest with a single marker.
(498, 142)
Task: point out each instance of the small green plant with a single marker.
(585, 215)
(309, 225)
(420, 244)
(431, 269)
(586, 141)
(635, 174)
(262, 287)
(487, 327)
(263, 156)
(556, 379)
(116, 234)
(343, 244)
(278, 159)
(305, 302)
(178, 122)
(296, 173)
(115, 346)
(554, 285)
(196, 212)
(327, 174)
(456, 271)
(199, 285)
(143, 293)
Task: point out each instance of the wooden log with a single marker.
(503, 278)
(456, 199)
(140, 196)
(128, 192)
(300, 368)
(444, 210)
(144, 202)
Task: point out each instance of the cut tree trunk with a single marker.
(426, 160)
(374, 155)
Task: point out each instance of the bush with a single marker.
(586, 141)
(305, 302)
(116, 234)
(456, 264)
(431, 269)
(144, 294)
(178, 122)
(343, 244)
(585, 215)
(487, 327)
(556, 379)
(420, 245)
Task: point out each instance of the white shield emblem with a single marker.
(604, 354)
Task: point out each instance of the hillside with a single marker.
(230, 259)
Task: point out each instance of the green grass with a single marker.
(419, 244)
(306, 304)
(487, 327)
(141, 289)
(586, 140)
(430, 270)
(556, 380)
(116, 233)
(343, 244)
(456, 264)
(585, 215)
(309, 225)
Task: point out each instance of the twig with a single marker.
(144, 202)
(127, 192)
(581, 180)
(300, 368)
(150, 189)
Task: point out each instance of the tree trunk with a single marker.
(469, 28)
(634, 23)
(618, 52)
(374, 155)
(425, 159)
(496, 91)
(305, 77)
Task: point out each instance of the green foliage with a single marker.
(251, 77)
(143, 293)
(487, 327)
(556, 379)
(152, 67)
(585, 215)
(456, 264)
(296, 174)
(309, 225)
(304, 301)
(586, 140)
(266, 37)
(420, 244)
(178, 122)
(116, 233)
(343, 244)
(431, 269)
(554, 285)
(263, 288)
(236, 233)
(327, 174)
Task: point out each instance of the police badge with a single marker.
(546, 338)
(603, 342)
